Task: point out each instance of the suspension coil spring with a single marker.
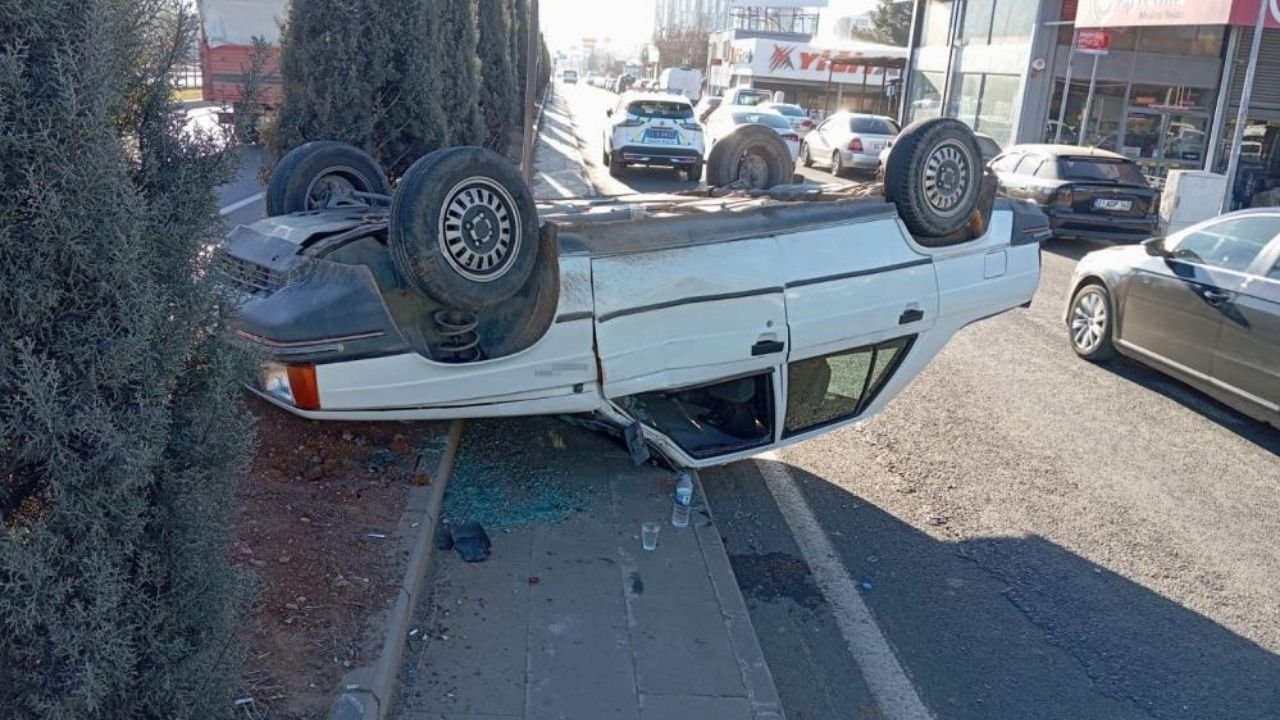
(461, 341)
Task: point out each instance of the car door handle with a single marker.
(910, 315)
(1215, 297)
(767, 347)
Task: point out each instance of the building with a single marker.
(676, 15)
(1012, 68)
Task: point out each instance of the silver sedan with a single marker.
(1202, 305)
(847, 141)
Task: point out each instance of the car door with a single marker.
(1003, 166)
(1247, 360)
(818, 141)
(1173, 308)
(691, 341)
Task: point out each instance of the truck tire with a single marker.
(934, 175)
(322, 174)
(752, 155)
(464, 228)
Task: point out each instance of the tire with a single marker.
(616, 166)
(604, 156)
(319, 174)
(805, 158)
(837, 164)
(1090, 322)
(449, 217)
(939, 203)
(693, 173)
(753, 155)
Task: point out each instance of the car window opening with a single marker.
(707, 420)
(840, 386)
(1100, 170)
(656, 109)
(873, 126)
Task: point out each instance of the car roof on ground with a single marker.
(656, 97)
(1067, 151)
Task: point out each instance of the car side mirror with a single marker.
(608, 112)
(1155, 247)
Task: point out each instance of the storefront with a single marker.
(1156, 68)
(863, 77)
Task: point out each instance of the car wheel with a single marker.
(752, 156)
(616, 166)
(1090, 323)
(837, 164)
(323, 174)
(805, 158)
(693, 173)
(464, 228)
(934, 175)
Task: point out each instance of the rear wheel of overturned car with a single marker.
(321, 175)
(1090, 323)
(934, 175)
(752, 156)
(464, 228)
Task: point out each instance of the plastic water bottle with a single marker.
(683, 501)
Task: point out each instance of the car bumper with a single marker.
(1101, 227)
(861, 161)
(657, 155)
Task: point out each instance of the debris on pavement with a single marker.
(471, 542)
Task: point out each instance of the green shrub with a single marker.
(121, 424)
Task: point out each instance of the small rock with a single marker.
(257, 562)
(936, 520)
(305, 520)
(347, 436)
(313, 473)
(284, 559)
(316, 460)
(291, 606)
(340, 582)
(534, 580)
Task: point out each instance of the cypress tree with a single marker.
(462, 92)
(122, 429)
(519, 53)
(498, 91)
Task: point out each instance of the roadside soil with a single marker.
(316, 533)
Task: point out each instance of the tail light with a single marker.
(807, 124)
(855, 145)
(1064, 198)
(790, 137)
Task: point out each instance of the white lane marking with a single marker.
(885, 677)
(241, 203)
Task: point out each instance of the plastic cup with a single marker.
(649, 535)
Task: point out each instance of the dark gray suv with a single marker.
(1202, 305)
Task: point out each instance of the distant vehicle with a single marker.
(1202, 305)
(706, 106)
(228, 29)
(623, 84)
(746, 97)
(795, 114)
(1069, 135)
(593, 79)
(608, 81)
(848, 140)
(729, 118)
(683, 80)
(1086, 192)
(653, 129)
(569, 77)
(986, 144)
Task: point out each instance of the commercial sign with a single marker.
(779, 60)
(771, 4)
(1130, 13)
(1093, 41)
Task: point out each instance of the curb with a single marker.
(366, 693)
(761, 691)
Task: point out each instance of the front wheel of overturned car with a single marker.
(464, 228)
(323, 174)
(1090, 323)
(752, 156)
(934, 175)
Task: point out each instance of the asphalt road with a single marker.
(1022, 534)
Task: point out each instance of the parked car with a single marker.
(728, 118)
(706, 106)
(1202, 305)
(623, 83)
(682, 80)
(796, 115)
(848, 141)
(569, 77)
(746, 97)
(653, 129)
(986, 144)
(1086, 192)
(710, 330)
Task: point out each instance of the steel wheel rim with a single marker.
(753, 171)
(947, 177)
(336, 187)
(479, 232)
(1088, 321)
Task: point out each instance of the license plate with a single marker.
(661, 135)
(876, 147)
(1111, 204)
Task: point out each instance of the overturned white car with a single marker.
(709, 326)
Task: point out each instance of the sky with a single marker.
(627, 22)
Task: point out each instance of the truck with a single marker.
(683, 80)
(704, 327)
(227, 32)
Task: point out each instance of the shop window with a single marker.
(937, 23)
(840, 386)
(1013, 21)
(965, 97)
(1198, 40)
(926, 94)
(708, 420)
(998, 107)
(1106, 115)
(977, 22)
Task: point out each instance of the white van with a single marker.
(683, 80)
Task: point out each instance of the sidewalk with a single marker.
(557, 157)
(570, 617)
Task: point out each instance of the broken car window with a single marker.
(839, 386)
(709, 420)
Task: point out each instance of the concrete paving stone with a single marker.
(455, 716)
(684, 707)
(682, 646)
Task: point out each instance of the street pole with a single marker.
(826, 104)
(530, 89)
(1066, 90)
(1088, 101)
(1233, 153)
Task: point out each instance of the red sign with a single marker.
(1131, 13)
(1091, 41)
(1245, 12)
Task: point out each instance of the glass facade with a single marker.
(986, 102)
